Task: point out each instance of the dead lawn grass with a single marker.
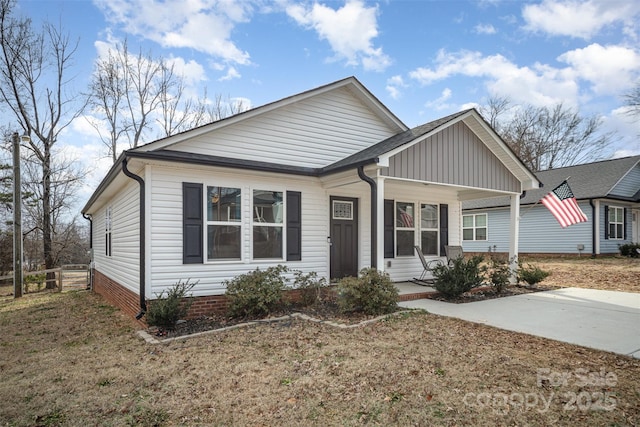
(71, 359)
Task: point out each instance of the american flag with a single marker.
(564, 206)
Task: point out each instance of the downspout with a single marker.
(88, 218)
(593, 228)
(374, 215)
(143, 302)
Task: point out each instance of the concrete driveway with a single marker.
(604, 320)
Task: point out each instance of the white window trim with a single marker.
(396, 228)
(240, 223)
(108, 232)
(437, 229)
(268, 224)
(616, 222)
(474, 227)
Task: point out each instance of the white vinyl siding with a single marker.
(165, 218)
(407, 267)
(315, 132)
(123, 266)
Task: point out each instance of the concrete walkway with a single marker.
(604, 320)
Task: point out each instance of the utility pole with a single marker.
(17, 219)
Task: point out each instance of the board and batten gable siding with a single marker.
(123, 266)
(315, 132)
(454, 156)
(629, 185)
(405, 268)
(165, 217)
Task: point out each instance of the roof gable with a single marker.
(313, 129)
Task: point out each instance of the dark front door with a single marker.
(344, 237)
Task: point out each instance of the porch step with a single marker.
(414, 296)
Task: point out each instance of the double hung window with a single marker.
(474, 227)
(268, 224)
(429, 229)
(616, 222)
(224, 229)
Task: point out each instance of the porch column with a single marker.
(380, 225)
(514, 230)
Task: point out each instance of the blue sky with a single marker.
(422, 59)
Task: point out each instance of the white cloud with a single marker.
(440, 102)
(581, 19)
(609, 69)
(192, 71)
(485, 29)
(232, 73)
(537, 85)
(349, 30)
(394, 86)
(205, 25)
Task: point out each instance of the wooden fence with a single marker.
(70, 276)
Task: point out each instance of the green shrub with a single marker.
(459, 277)
(630, 250)
(164, 312)
(499, 272)
(256, 293)
(312, 289)
(371, 293)
(531, 274)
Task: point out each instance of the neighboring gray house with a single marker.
(608, 192)
(326, 181)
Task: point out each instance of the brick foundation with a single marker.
(129, 302)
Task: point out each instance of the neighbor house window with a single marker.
(107, 232)
(405, 228)
(474, 227)
(429, 229)
(616, 223)
(268, 224)
(224, 215)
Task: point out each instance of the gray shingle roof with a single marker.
(587, 181)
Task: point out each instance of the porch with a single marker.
(409, 291)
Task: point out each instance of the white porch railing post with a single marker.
(514, 231)
(380, 225)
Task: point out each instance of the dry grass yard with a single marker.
(70, 359)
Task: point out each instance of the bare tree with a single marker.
(125, 92)
(33, 84)
(137, 96)
(107, 91)
(632, 100)
(548, 137)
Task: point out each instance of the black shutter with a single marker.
(624, 225)
(606, 222)
(444, 227)
(294, 226)
(192, 223)
(389, 246)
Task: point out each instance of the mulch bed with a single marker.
(484, 293)
(328, 310)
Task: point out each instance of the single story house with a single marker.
(608, 192)
(328, 180)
